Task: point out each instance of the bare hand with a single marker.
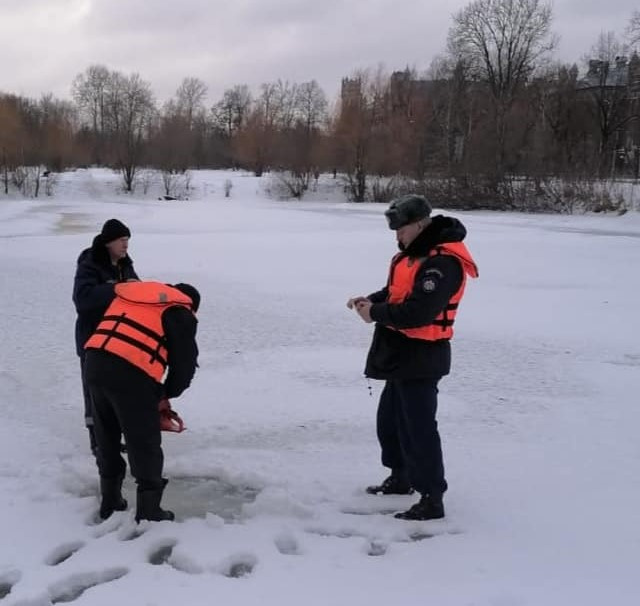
(353, 302)
(364, 310)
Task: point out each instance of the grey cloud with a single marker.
(580, 22)
(246, 41)
(115, 16)
(291, 11)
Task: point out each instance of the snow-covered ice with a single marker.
(539, 418)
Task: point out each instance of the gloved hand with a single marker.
(169, 419)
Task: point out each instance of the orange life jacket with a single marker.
(401, 281)
(132, 325)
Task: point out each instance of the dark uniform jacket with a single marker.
(93, 287)
(392, 354)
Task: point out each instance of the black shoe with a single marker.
(392, 485)
(112, 499)
(427, 508)
(148, 504)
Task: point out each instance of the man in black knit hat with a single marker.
(99, 268)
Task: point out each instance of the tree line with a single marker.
(494, 121)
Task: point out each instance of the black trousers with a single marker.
(408, 433)
(125, 402)
(88, 409)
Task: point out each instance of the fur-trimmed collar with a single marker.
(441, 229)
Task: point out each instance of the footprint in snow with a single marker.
(131, 532)
(238, 566)
(416, 537)
(354, 511)
(63, 553)
(7, 582)
(161, 552)
(287, 544)
(5, 589)
(345, 533)
(70, 589)
(114, 522)
(420, 534)
(376, 548)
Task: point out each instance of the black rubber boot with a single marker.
(112, 499)
(394, 484)
(427, 508)
(148, 504)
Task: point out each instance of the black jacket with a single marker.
(93, 287)
(180, 326)
(392, 354)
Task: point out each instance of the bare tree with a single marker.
(172, 146)
(312, 106)
(35, 136)
(502, 42)
(607, 47)
(633, 29)
(11, 134)
(309, 133)
(190, 98)
(267, 105)
(299, 137)
(230, 113)
(58, 120)
(446, 99)
(605, 85)
(89, 91)
(285, 104)
(255, 144)
(248, 147)
(357, 127)
(382, 135)
(131, 108)
(557, 147)
(179, 140)
(113, 104)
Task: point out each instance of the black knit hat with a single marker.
(191, 292)
(114, 229)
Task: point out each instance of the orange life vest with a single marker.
(401, 281)
(132, 325)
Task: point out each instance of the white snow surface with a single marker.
(540, 417)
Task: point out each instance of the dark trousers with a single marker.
(88, 409)
(125, 402)
(408, 433)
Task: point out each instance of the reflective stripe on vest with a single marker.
(402, 277)
(132, 325)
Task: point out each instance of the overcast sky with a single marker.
(44, 44)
